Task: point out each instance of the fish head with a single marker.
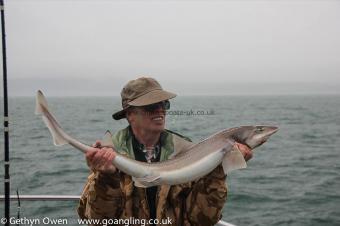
(254, 136)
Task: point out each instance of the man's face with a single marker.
(150, 118)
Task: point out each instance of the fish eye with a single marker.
(259, 129)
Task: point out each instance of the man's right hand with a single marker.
(100, 159)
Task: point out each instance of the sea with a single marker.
(293, 179)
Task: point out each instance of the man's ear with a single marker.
(129, 115)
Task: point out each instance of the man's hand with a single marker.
(100, 159)
(245, 150)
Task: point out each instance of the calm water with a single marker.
(294, 179)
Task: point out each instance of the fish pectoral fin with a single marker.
(233, 160)
(145, 182)
(138, 184)
(107, 140)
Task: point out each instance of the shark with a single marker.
(196, 161)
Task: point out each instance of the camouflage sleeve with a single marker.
(206, 199)
(101, 197)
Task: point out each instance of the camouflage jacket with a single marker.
(115, 197)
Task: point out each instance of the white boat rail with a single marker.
(67, 198)
(42, 197)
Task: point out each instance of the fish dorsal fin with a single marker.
(107, 140)
(233, 160)
(145, 182)
(182, 146)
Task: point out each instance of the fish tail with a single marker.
(49, 120)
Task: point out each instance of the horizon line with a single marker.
(199, 95)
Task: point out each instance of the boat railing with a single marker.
(66, 198)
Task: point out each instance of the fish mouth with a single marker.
(274, 129)
(271, 131)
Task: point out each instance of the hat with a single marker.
(140, 92)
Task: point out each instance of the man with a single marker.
(110, 194)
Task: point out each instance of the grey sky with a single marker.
(191, 47)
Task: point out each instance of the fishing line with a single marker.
(19, 206)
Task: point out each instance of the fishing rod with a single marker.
(6, 128)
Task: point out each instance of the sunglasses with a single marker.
(152, 107)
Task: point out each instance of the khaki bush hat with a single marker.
(140, 92)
